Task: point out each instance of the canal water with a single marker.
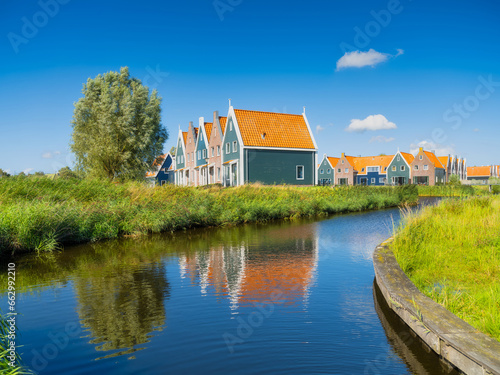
(293, 297)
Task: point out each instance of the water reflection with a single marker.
(279, 265)
(121, 307)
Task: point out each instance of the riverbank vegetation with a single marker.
(41, 214)
(451, 252)
(452, 191)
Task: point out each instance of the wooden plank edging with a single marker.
(454, 340)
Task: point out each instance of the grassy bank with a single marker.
(40, 214)
(451, 252)
(452, 191)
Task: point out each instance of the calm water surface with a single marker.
(284, 298)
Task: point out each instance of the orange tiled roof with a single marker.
(350, 160)
(195, 133)
(371, 161)
(478, 171)
(185, 136)
(333, 161)
(222, 121)
(156, 166)
(408, 157)
(267, 129)
(433, 158)
(208, 130)
(444, 160)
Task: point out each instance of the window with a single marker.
(415, 167)
(420, 157)
(339, 170)
(394, 168)
(235, 145)
(204, 153)
(426, 167)
(381, 180)
(403, 168)
(228, 148)
(346, 170)
(321, 171)
(201, 136)
(342, 162)
(373, 180)
(218, 150)
(328, 170)
(199, 154)
(218, 174)
(399, 158)
(213, 152)
(362, 169)
(372, 169)
(230, 126)
(300, 172)
(188, 157)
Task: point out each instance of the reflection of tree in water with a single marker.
(121, 308)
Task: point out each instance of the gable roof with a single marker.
(268, 129)
(333, 161)
(158, 162)
(223, 121)
(479, 171)
(433, 158)
(444, 160)
(208, 130)
(185, 136)
(372, 161)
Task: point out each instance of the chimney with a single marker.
(216, 117)
(190, 125)
(343, 155)
(420, 149)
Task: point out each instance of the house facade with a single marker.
(326, 171)
(399, 169)
(372, 170)
(180, 159)
(215, 135)
(345, 171)
(426, 169)
(162, 172)
(269, 148)
(482, 174)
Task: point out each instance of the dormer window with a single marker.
(421, 157)
(263, 135)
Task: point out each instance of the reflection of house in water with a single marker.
(277, 266)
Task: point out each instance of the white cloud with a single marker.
(372, 122)
(440, 150)
(28, 170)
(358, 59)
(476, 130)
(319, 129)
(50, 155)
(381, 139)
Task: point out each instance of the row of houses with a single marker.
(403, 168)
(276, 148)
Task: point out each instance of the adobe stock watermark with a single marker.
(154, 77)
(458, 112)
(380, 20)
(57, 342)
(224, 6)
(247, 326)
(31, 25)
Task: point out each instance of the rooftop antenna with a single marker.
(304, 110)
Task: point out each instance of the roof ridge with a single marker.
(274, 113)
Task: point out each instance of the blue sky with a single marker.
(418, 72)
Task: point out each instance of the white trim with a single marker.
(297, 172)
(310, 132)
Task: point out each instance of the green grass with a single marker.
(41, 214)
(5, 367)
(451, 252)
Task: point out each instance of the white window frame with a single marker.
(426, 167)
(218, 150)
(199, 154)
(373, 180)
(403, 168)
(297, 172)
(421, 157)
(415, 167)
(204, 153)
(328, 171)
(346, 170)
(213, 152)
(235, 146)
(394, 168)
(188, 158)
(228, 148)
(381, 180)
(321, 171)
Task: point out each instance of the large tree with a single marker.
(117, 131)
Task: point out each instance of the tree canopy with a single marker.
(117, 131)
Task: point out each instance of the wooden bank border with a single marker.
(454, 340)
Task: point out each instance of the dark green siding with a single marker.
(229, 137)
(325, 166)
(278, 166)
(398, 172)
(179, 151)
